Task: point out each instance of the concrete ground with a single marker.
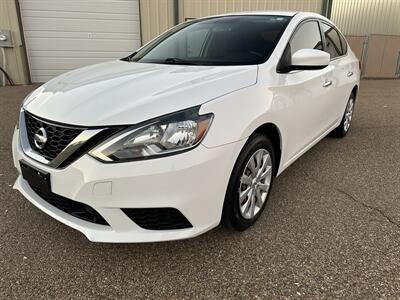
(331, 229)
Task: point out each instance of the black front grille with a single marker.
(58, 137)
(74, 208)
(163, 218)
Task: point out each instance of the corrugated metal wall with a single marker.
(201, 8)
(383, 56)
(158, 15)
(357, 45)
(373, 30)
(356, 17)
(16, 62)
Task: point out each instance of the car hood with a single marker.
(118, 92)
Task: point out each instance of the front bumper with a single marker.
(193, 182)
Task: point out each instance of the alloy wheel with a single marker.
(348, 114)
(255, 183)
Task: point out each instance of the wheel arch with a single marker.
(274, 134)
(355, 92)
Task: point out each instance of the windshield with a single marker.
(230, 40)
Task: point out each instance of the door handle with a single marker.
(327, 83)
(349, 74)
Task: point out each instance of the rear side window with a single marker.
(306, 37)
(344, 44)
(333, 41)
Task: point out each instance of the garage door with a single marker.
(63, 35)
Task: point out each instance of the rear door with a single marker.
(341, 75)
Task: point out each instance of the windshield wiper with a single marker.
(178, 61)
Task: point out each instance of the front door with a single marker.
(307, 94)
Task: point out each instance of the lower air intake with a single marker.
(77, 209)
(158, 218)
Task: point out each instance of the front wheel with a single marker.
(250, 183)
(344, 126)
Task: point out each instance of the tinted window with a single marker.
(333, 43)
(231, 40)
(306, 37)
(195, 42)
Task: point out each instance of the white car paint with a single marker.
(300, 104)
(151, 89)
(312, 57)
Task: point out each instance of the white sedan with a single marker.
(188, 131)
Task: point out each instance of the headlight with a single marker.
(162, 136)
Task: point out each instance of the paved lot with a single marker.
(331, 229)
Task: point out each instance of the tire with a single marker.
(234, 213)
(345, 124)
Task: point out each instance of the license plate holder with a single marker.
(35, 177)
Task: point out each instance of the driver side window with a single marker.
(307, 36)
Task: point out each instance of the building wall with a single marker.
(16, 62)
(356, 17)
(383, 56)
(373, 31)
(158, 15)
(357, 45)
(201, 8)
(64, 35)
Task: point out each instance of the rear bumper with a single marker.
(193, 182)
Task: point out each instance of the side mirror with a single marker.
(305, 59)
(310, 59)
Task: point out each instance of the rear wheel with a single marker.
(344, 126)
(250, 183)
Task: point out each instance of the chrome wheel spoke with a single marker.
(265, 163)
(348, 116)
(259, 160)
(252, 206)
(254, 183)
(244, 195)
(259, 200)
(252, 166)
(351, 104)
(245, 207)
(267, 172)
(264, 187)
